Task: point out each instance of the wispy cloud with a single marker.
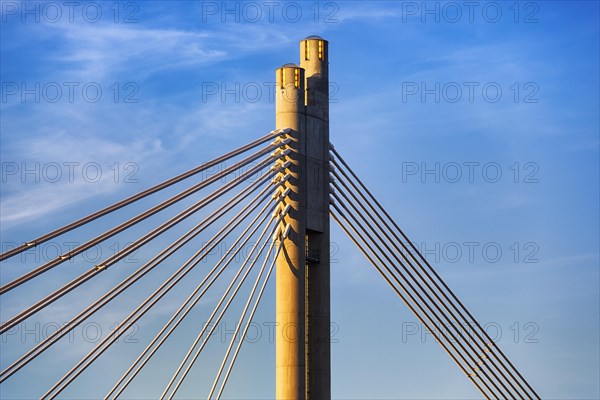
(107, 133)
(102, 51)
(21, 202)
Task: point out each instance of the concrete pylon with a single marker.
(302, 288)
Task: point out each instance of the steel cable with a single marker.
(489, 342)
(134, 277)
(435, 302)
(147, 304)
(49, 299)
(140, 217)
(140, 195)
(180, 314)
(353, 237)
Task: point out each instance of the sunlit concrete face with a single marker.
(290, 268)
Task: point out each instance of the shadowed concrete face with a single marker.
(315, 61)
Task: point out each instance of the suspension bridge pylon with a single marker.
(302, 270)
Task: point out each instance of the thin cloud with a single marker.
(21, 202)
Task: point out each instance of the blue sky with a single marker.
(184, 82)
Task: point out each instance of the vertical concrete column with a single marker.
(290, 267)
(314, 52)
